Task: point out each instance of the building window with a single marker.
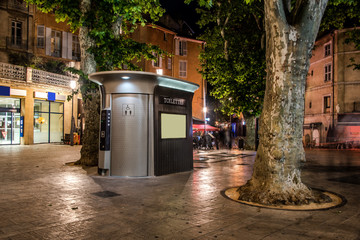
(48, 121)
(183, 66)
(327, 49)
(327, 104)
(157, 62)
(169, 63)
(75, 48)
(327, 72)
(182, 48)
(16, 33)
(309, 104)
(165, 36)
(40, 36)
(55, 43)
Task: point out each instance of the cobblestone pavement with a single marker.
(43, 198)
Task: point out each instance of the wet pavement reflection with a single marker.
(41, 197)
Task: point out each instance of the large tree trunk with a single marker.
(250, 132)
(91, 100)
(290, 38)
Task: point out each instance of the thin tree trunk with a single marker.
(91, 103)
(276, 177)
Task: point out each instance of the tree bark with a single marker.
(250, 133)
(277, 178)
(91, 100)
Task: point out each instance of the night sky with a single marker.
(181, 10)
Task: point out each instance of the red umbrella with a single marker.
(203, 127)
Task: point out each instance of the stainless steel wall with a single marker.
(129, 135)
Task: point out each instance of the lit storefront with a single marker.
(10, 120)
(48, 121)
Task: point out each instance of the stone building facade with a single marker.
(33, 105)
(332, 99)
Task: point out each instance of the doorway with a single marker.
(9, 121)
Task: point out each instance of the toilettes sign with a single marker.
(172, 101)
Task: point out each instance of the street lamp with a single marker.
(73, 86)
(205, 110)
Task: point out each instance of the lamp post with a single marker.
(72, 85)
(205, 110)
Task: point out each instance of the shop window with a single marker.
(40, 36)
(9, 121)
(183, 69)
(48, 121)
(327, 76)
(327, 102)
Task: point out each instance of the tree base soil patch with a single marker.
(334, 200)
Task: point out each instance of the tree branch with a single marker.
(296, 12)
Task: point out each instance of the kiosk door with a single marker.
(129, 135)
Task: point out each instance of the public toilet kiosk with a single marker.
(146, 123)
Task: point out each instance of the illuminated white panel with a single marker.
(40, 95)
(60, 97)
(173, 126)
(17, 92)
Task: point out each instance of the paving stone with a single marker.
(41, 197)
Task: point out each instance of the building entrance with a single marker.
(9, 121)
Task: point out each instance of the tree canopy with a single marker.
(104, 34)
(233, 61)
(110, 22)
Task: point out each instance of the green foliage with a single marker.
(112, 50)
(354, 38)
(237, 73)
(340, 14)
(30, 60)
(86, 85)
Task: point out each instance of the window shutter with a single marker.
(64, 47)
(48, 42)
(176, 46)
(69, 44)
(160, 61)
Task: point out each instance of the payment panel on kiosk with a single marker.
(131, 143)
(105, 130)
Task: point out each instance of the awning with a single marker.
(203, 127)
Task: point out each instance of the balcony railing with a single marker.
(48, 78)
(13, 72)
(18, 5)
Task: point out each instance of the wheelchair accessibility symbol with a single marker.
(128, 109)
